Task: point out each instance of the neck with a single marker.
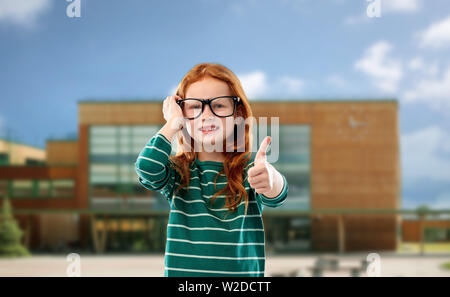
(210, 156)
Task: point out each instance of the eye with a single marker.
(194, 106)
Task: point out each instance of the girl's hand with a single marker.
(263, 177)
(173, 113)
(174, 117)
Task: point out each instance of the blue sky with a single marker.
(301, 49)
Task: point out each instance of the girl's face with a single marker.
(209, 129)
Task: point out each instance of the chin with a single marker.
(209, 139)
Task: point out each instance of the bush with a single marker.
(446, 266)
(10, 234)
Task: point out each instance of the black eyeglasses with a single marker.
(223, 106)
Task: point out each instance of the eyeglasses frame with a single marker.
(236, 100)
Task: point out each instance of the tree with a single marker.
(10, 234)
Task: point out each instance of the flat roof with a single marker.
(61, 139)
(21, 143)
(306, 100)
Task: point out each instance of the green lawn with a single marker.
(413, 247)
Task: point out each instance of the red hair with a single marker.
(236, 159)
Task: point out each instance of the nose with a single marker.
(207, 113)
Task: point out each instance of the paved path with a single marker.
(153, 265)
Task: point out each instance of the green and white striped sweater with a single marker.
(204, 239)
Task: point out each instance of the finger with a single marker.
(165, 109)
(261, 154)
(256, 170)
(260, 185)
(257, 179)
(176, 98)
(262, 190)
(173, 102)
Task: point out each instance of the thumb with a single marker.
(261, 154)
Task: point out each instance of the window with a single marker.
(3, 188)
(433, 234)
(293, 162)
(22, 188)
(62, 188)
(30, 161)
(290, 234)
(112, 176)
(4, 159)
(44, 187)
(27, 188)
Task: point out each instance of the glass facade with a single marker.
(114, 149)
(113, 183)
(294, 162)
(42, 188)
(290, 233)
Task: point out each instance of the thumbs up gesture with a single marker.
(261, 175)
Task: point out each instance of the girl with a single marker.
(216, 196)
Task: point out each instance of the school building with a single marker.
(341, 160)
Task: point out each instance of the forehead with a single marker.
(208, 88)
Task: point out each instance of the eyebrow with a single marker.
(210, 97)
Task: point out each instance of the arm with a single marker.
(278, 182)
(277, 199)
(153, 165)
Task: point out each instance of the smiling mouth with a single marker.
(209, 129)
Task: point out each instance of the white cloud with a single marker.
(22, 12)
(254, 83)
(403, 6)
(435, 91)
(418, 64)
(337, 81)
(437, 35)
(422, 155)
(386, 7)
(384, 71)
(257, 86)
(292, 85)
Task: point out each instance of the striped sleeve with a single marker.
(153, 166)
(275, 201)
